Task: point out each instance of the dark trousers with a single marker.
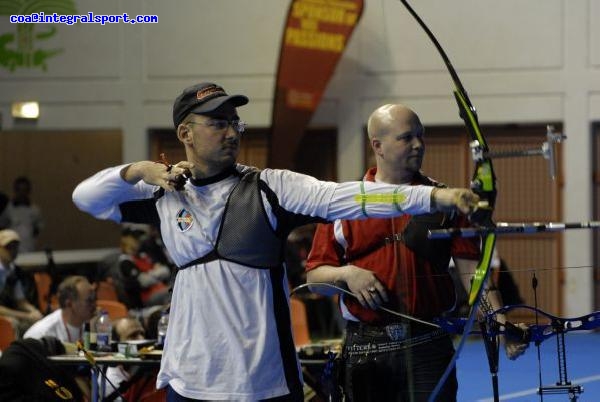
(173, 396)
(395, 374)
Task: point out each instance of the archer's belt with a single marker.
(364, 339)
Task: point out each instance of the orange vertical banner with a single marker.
(315, 36)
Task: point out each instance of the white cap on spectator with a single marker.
(8, 236)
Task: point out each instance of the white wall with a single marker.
(535, 61)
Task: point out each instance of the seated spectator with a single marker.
(27, 375)
(134, 382)
(77, 302)
(128, 329)
(13, 303)
(140, 281)
(154, 248)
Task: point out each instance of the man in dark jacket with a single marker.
(26, 375)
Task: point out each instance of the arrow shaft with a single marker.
(512, 228)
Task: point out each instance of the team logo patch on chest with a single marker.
(184, 220)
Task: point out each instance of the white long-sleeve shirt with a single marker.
(225, 339)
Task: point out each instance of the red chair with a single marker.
(114, 308)
(7, 332)
(42, 284)
(106, 290)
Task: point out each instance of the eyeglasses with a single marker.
(222, 124)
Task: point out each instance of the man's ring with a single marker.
(372, 289)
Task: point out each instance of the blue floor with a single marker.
(519, 379)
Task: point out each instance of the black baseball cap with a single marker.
(202, 99)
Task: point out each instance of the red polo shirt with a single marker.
(413, 286)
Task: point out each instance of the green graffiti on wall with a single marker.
(18, 49)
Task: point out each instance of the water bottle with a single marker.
(161, 329)
(87, 337)
(103, 332)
